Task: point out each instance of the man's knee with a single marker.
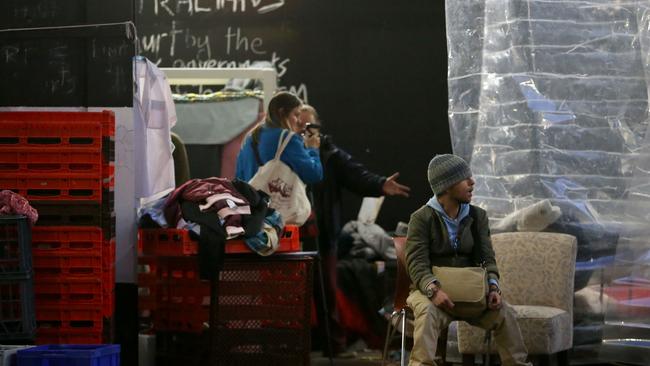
(422, 310)
(432, 315)
(507, 312)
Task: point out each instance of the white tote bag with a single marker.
(287, 191)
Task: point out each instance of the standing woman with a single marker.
(301, 154)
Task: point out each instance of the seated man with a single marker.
(440, 234)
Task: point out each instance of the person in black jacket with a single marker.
(340, 171)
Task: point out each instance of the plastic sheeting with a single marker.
(548, 100)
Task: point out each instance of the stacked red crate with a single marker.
(178, 242)
(63, 163)
(171, 296)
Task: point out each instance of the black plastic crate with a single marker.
(240, 349)
(68, 213)
(15, 246)
(187, 349)
(75, 213)
(17, 316)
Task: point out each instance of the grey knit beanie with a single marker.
(446, 170)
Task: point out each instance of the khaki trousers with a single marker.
(429, 320)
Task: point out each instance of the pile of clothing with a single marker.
(12, 203)
(218, 209)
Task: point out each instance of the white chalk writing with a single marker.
(193, 7)
(242, 42)
(177, 38)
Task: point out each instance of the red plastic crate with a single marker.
(166, 242)
(54, 188)
(107, 119)
(148, 296)
(50, 129)
(289, 242)
(152, 269)
(165, 280)
(68, 290)
(188, 292)
(45, 335)
(53, 239)
(265, 291)
(68, 316)
(148, 269)
(67, 263)
(37, 161)
(104, 119)
(179, 268)
(177, 242)
(293, 271)
(67, 251)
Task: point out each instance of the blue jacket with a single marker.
(304, 161)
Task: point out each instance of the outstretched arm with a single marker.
(357, 178)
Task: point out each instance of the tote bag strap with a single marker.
(282, 144)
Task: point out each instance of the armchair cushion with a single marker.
(545, 330)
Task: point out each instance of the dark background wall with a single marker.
(375, 70)
(73, 67)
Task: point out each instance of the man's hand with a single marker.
(392, 188)
(494, 298)
(442, 301)
(312, 140)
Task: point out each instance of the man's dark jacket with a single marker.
(427, 245)
(339, 171)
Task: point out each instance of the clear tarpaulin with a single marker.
(548, 101)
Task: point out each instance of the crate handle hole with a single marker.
(81, 192)
(9, 140)
(81, 140)
(44, 166)
(44, 140)
(43, 192)
(81, 166)
(9, 166)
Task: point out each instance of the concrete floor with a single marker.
(373, 358)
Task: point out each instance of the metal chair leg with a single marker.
(488, 340)
(386, 342)
(390, 332)
(403, 355)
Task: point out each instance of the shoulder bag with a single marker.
(286, 190)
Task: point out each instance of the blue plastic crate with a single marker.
(70, 355)
(15, 246)
(8, 354)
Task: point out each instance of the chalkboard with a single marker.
(88, 66)
(374, 69)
